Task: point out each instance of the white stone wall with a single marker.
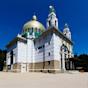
(49, 48)
(42, 54)
(8, 58)
(57, 46)
(30, 50)
(69, 46)
(21, 51)
(8, 55)
(52, 44)
(43, 49)
(58, 42)
(15, 55)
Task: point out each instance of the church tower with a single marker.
(67, 32)
(52, 20)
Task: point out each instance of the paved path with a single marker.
(43, 80)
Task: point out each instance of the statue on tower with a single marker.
(66, 31)
(51, 9)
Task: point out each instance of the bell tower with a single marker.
(67, 32)
(52, 20)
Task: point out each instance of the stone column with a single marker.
(70, 54)
(71, 65)
(63, 61)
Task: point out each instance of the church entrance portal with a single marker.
(23, 67)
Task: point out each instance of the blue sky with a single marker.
(14, 13)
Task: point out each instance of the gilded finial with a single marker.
(34, 17)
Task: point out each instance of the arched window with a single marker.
(31, 31)
(39, 31)
(36, 29)
(63, 47)
(55, 22)
(49, 23)
(64, 56)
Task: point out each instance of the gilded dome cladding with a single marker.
(33, 24)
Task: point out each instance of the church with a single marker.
(40, 49)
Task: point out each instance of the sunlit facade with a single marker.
(39, 48)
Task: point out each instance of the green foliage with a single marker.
(82, 61)
(2, 59)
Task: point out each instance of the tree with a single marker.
(2, 58)
(83, 61)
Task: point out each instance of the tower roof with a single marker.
(66, 28)
(51, 9)
(66, 25)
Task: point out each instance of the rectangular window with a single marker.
(11, 57)
(49, 53)
(43, 46)
(49, 42)
(48, 62)
(49, 23)
(40, 47)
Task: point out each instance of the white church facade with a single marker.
(40, 49)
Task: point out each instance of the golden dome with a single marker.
(33, 24)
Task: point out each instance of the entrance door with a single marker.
(23, 68)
